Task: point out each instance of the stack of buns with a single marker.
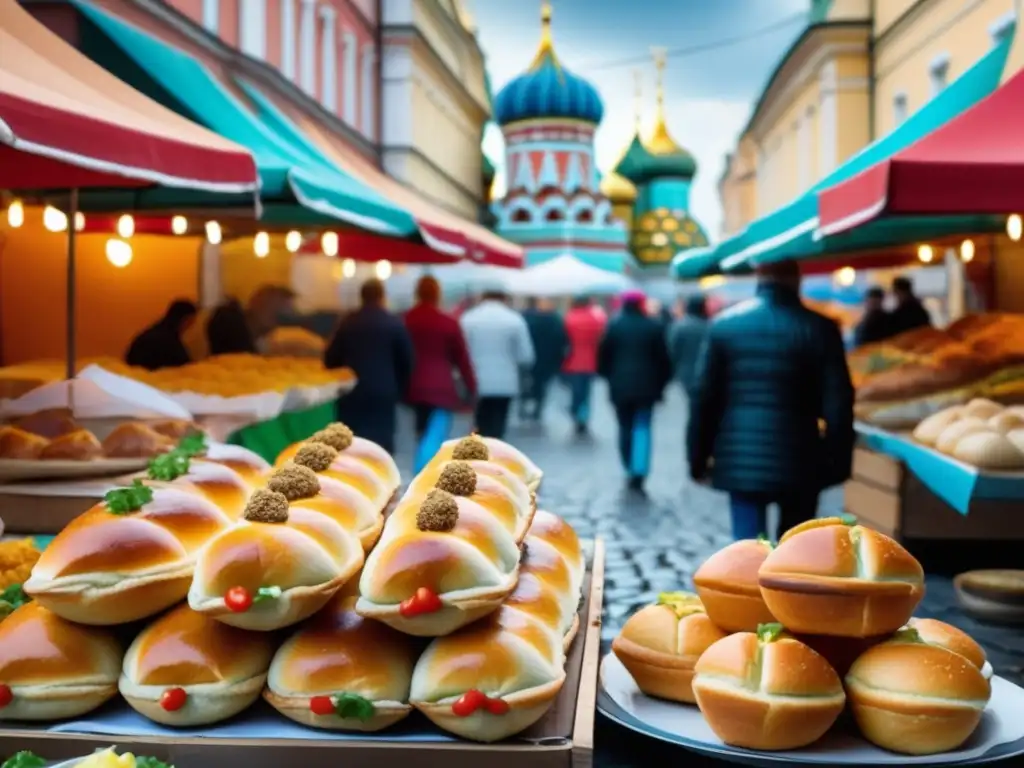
(982, 433)
(780, 639)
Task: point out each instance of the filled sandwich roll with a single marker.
(727, 584)
(937, 632)
(476, 448)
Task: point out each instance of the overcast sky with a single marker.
(708, 92)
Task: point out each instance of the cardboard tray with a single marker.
(564, 738)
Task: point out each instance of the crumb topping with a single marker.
(294, 482)
(316, 456)
(337, 435)
(266, 506)
(471, 448)
(438, 512)
(458, 478)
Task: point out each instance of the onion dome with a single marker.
(547, 89)
(635, 158)
(618, 189)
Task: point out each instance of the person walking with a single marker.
(439, 350)
(633, 357)
(550, 343)
(500, 347)
(233, 330)
(585, 324)
(160, 345)
(685, 338)
(909, 312)
(375, 345)
(771, 416)
(875, 322)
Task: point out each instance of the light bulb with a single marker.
(925, 253)
(329, 243)
(15, 214)
(79, 221)
(348, 268)
(1014, 227)
(846, 276)
(119, 253)
(966, 251)
(54, 220)
(293, 241)
(261, 245)
(213, 233)
(126, 226)
(383, 270)
(179, 225)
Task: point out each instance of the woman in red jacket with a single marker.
(439, 349)
(584, 325)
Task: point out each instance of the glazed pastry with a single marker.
(767, 690)
(250, 466)
(728, 589)
(213, 480)
(914, 697)
(497, 677)
(940, 633)
(442, 562)
(277, 565)
(16, 443)
(476, 448)
(343, 672)
(80, 445)
(49, 423)
(51, 669)
(359, 462)
(129, 557)
(176, 429)
(187, 669)
(135, 440)
(660, 644)
(833, 577)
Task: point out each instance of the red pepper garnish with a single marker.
(173, 699)
(424, 601)
(6, 695)
(497, 706)
(321, 705)
(238, 599)
(472, 700)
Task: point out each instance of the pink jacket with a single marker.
(585, 327)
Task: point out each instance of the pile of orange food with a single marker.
(778, 641)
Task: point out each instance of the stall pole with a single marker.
(71, 302)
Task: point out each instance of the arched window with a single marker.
(521, 216)
(585, 217)
(555, 215)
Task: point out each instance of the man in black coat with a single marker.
(875, 323)
(633, 357)
(910, 312)
(771, 419)
(550, 346)
(376, 346)
(160, 345)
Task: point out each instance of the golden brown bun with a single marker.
(18, 444)
(50, 423)
(915, 698)
(498, 452)
(220, 669)
(133, 440)
(828, 578)
(929, 430)
(989, 450)
(728, 587)
(53, 668)
(950, 437)
(339, 652)
(80, 445)
(660, 644)
(840, 652)
(361, 452)
(937, 632)
(175, 428)
(767, 695)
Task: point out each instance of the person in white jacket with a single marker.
(500, 347)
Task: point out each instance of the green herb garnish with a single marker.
(122, 501)
(192, 445)
(847, 519)
(762, 539)
(907, 635)
(169, 466)
(266, 593)
(24, 759)
(682, 603)
(11, 599)
(352, 705)
(151, 762)
(769, 633)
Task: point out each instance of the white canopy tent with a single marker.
(565, 275)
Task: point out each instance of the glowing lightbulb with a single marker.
(54, 220)
(119, 253)
(966, 251)
(179, 225)
(1014, 227)
(213, 232)
(261, 245)
(79, 221)
(126, 226)
(383, 270)
(846, 276)
(348, 268)
(293, 241)
(329, 243)
(15, 214)
(925, 253)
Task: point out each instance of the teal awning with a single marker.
(694, 264)
(297, 187)
(790, 231)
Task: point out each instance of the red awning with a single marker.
(66, 122)
(971, 165)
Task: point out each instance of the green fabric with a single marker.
(289, 173)
(269, 438)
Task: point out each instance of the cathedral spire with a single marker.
(638, 97)
(546, 49)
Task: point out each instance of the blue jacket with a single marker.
(769, 371)
(550, 342)
(633, 358)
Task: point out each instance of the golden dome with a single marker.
(618, 189)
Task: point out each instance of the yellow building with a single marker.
(859, 69)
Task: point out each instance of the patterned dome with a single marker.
(662, 233)
(547, 89)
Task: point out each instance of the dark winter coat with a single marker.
(633, 357)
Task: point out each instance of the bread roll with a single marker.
(660, 644)
(981, 408)
(832, 577)
(841, 652)
(187, 669)
(343, 672)
(937, 632)
(249, 465)
(18, 444)
(929, 430)
(134, 439)
(915, 698)
(1006, 422)
(989, 450)
(767, 690)
(129, 557)
(951, 436)
(500, 675)
(476, 448)
(80, 445)
(728, 587)
(280, 563)
(51, 669)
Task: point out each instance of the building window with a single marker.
(522, 216)
(555, 215)
(288, 38)
(211, 15)
(252, 32)
(584, 217)
(899, 108)
(368, 76)
(1001, 27)
(938, 73)
(328, 59)
(350, 71)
